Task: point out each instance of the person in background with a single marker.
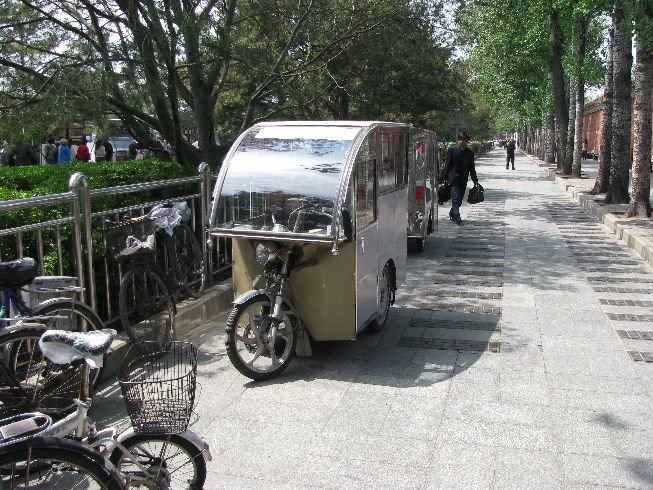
(458, 167)
(132, 151)
(100, 152)
(83, 154)
(50, 152)
(584, 155)
(64, 151)
(510, 154)
(108, 150)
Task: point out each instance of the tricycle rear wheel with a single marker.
(254, 349)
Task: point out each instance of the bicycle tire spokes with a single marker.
(147, 309)
(31, 382)
(188, 261)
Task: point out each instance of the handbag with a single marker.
(476, 195)
(444, 193)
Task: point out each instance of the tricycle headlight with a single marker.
(263, 252)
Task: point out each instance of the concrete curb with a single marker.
(630, 230)
(190, 314)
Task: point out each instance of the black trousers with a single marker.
(510, 158)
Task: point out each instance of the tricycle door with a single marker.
(367, 231)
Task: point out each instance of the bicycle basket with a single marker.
(159, 387)
(129, 238)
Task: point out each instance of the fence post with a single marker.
(78, 184)
(205, 190)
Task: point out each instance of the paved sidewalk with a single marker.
(515, 357)
(636, 232)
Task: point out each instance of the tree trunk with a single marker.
(603, 172)
(569, 145)
(582, 26)
(621, 115)
(640, 201)
(558, 86)
(549, 139)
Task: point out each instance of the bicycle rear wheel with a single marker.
(29, 381)
(50, 463)
(187, 260)
(66, 314)
(147, 309)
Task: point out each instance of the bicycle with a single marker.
(27, 380)
(148, 295)
(157, 451)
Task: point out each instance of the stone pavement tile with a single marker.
(523, 388)
(521, 469)
(606, 402)
(627, 383)
(519, 314)
(593, 470)
(570, 315)
(599, 364)
(359, 412)
(578, 330)
(413, 417)
(511, 357)
(372, 448)
(329, 471)
(493, 411)
(499, 434)
(457, 466)
(593, 344)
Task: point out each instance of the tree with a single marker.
(643, 92)
(621, 113)
(603, 172)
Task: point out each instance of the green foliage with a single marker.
(39, 180)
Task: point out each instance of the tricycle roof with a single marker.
(288, 179)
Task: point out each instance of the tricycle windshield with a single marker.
(284, 179)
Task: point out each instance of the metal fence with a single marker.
(71, 245)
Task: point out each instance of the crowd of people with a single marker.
(58, 150)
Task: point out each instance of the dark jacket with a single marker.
(510, 148)
(459, 166)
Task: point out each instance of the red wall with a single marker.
(592, 125)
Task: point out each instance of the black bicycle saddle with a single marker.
(19, 272)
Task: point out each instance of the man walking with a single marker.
(510, 154)
(458, 167)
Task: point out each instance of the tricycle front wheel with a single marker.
(259, 346)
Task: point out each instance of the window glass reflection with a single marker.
(285, 179)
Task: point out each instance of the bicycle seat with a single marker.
(16, 273)
(64, 346)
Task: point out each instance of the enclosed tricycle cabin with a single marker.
(340, 190)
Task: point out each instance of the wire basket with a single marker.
(129, 238)
(159, 387)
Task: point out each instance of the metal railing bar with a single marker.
(36, 226)
(30, 202)
(136, 207)
(145, 186)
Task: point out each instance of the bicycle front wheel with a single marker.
(187, 260)
(147, 309)
(66, 314)
(29, 381)
(50, 463)
(171, 461)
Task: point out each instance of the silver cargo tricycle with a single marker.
(317, 213)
